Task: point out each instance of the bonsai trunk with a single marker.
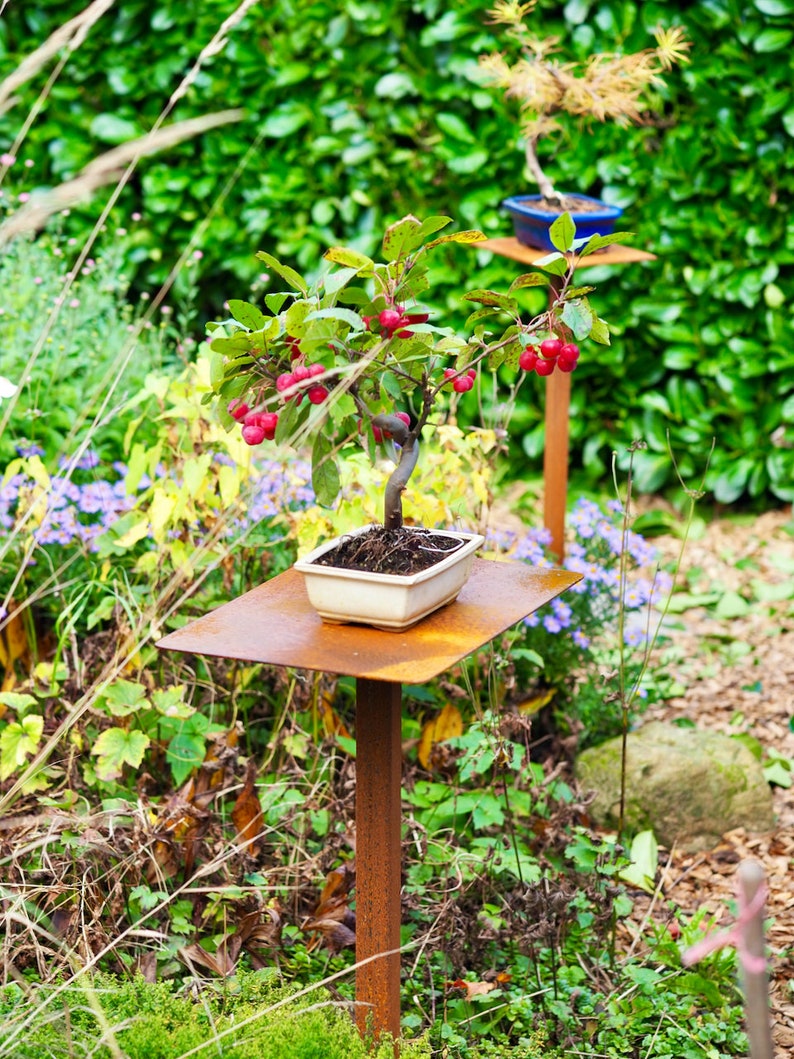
(538, 175)
(395, 428)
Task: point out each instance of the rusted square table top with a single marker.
(617, 254)
(275, 624)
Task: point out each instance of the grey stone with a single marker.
(686, 785)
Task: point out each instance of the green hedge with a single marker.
(362, 110)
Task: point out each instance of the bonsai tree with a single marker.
(607, 86)
(355, 357)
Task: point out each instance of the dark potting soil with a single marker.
(569, 204)
(404, 551)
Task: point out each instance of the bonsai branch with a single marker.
(408, 441)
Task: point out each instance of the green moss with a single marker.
(238, 1019)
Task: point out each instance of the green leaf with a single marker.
(18, 701)
(19, 740)
(325, 473)
(402, 237)
(553, 264)
(562, 232)
(778, 772)
(343, 255)
(599, 331)
(117, 747)
(598, 242)
(434, 224)
(337, 281)
(184, 753)
(295, 280)
(772, 40)
(732, 605)
(124, 697)
(578, 316)
(641, 873)
(338, 313)
(285, 120)
(110, 128)
(395, 86)
(247, 314)
(170, 702)
(529, 279)
(275, 301)
(491, 297)
(455, 127)
(775, 8)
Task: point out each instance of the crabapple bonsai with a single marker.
(360, 345)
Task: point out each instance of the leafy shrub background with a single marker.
(360, 111)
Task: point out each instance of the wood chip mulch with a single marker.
(752, 693)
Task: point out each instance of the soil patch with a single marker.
(403, 552)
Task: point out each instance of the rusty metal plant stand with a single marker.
(275, 625)
(558, 389)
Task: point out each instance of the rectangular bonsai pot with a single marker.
(390, 602)
(531, 220)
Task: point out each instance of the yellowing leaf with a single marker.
(18, 741)
(535, 703)
(115, 748)
(195, 471)
(229, 484)
(447, 725)
(160, 512)
(134, 534)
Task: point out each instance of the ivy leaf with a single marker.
(325, 473)
(295, 280)
(18, 741)
(117, 747)
(247, 314)
(562, 232)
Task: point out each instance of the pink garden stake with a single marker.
(747, 937)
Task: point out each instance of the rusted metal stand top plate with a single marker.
(275, 624)
(527, 255)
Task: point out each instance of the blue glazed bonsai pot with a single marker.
(532, 220)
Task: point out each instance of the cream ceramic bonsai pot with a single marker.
(390, 602)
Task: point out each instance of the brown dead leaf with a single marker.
(447, 725)
(331, 721)
(247, 812)
(13, 647)
(491, 980)
(333, 923)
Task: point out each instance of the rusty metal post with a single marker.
(555, 448)
(378, 854)
(555, 458)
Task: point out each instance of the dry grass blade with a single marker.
(103, 169)
(70, 35)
